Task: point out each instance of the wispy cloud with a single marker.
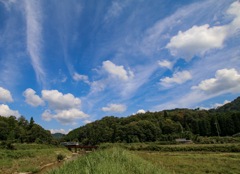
(115, 9)
(117, 71)
(165, 63)
(80, 77)
(34, 37)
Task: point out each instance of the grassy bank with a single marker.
(114, 160)
(194, 162)
(28, 157)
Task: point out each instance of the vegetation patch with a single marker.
(114, 160)
(29, 157)
(235, 147)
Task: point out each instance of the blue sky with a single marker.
(70, 62)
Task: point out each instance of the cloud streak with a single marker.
(34, 37)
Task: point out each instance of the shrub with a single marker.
(60, 157)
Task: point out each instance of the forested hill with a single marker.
(164, 125)
(22, 131)
(232, 106)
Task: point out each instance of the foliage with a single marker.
(20, 130)
(158, 126)
(114, 160)
(233, 106)
(175, 148)
(60, 157)
(58, 136)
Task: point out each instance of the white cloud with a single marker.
(64, 116)
(31, 98)
(47, 115)
(196, 41)
(79, 77)
(161, 30)
(178, 78)
(141, 111)
(117, 71)
(216, 105)
(6, 111)
(165, 63)
(87, 121)
(114, 108)
(225, 81)
(53, 131)
(34, 36)
(59, 101)
(5, 95)
(200, 39)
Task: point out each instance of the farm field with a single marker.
(118, 160)
(150, 158)
(29, 157)
(194, 162)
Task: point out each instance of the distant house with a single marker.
(183, 141)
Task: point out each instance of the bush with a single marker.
(60, 157)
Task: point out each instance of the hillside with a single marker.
(232, 106)
(160, 126)
(58, 135)
(22, 131)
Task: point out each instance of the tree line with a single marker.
(158, 126)
(22, 131)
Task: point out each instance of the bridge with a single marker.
(76, 146)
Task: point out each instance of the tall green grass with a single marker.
(235, 147)
(109, 161)
(194, 162)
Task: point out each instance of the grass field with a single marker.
(148, 159)
(182, 159)
(109, 161)
(194, 162)
(28, 157)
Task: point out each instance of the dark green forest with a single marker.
(165, 125)
(22, 131)
(161, 126)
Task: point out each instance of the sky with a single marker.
(70, 62)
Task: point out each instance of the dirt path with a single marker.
(57, 164)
